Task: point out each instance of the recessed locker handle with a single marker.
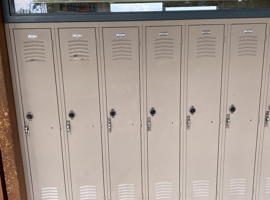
(26, 128)
(228, 120)
(109, 125)
(148, 123)
(188, 122)
(68, 127)
(267, 118)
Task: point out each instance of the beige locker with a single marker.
(264, 184)
(80, 77)
(244, 86)
(205, 56)
(39, 100)
(121, 57)
(163, 46)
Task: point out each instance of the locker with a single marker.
(38, 94)
(244, 86)
(264, 184)
(205, 56)
(121, 58)
(80, 77)
(163, 46)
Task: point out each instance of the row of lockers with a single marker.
(121, 113)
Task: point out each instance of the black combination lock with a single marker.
(232, 109)
(29, 116)
(153, 112)
(192, 110)
(112, 113)
(71, 114)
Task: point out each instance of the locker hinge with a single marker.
(52, 44)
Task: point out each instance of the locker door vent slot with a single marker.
(164, 48)
(121, 49)
(206, 47)
(201, 188)
(88, 192)
(267, 186)
(78, 50)
(247, 45)
(164, 190)
(49, 193)
(126, 191)
(237, 187)
(34, 50)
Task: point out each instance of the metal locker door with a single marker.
(39, 99)
(264, 189)
(80, 76)
(205, 56)
(121, 50)
(244, 86)
(163, 46)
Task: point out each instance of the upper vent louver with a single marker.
(201, 188)
(121, 49)
(163, 48)
(237, 187)
(247, 45)
(164, 190)
(34, 50)
(78, 50)
(206, 47)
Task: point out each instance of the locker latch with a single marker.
(228, 120)
(26, 128)
(68, 127)
(148, 123)
(188, 122)
(267, 119)
(109, 125)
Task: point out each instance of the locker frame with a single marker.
(183, 112)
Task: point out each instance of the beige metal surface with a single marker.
(123, 95)
(264, 184)
(205, 57)
(163, 52)
(79, 65)
(244, 85)
(38, 93)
